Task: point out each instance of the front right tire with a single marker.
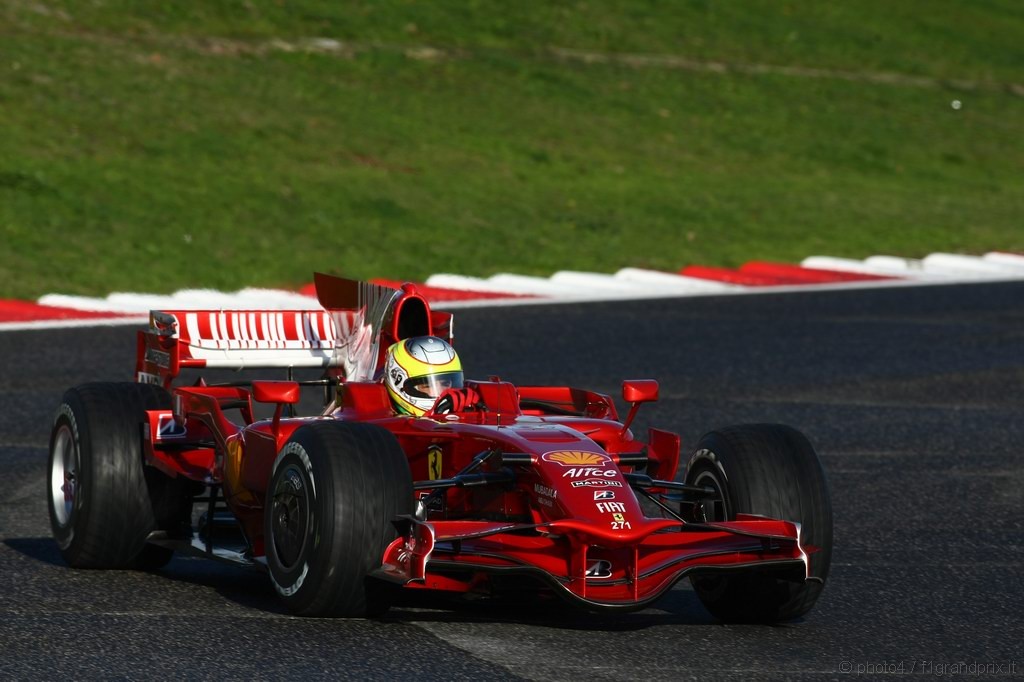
(335, 489)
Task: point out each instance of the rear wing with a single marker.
(350, 335)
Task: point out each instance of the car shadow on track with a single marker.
(40, 549)
(246, 588)
(243, 587)
(678, 607)
(251, 589)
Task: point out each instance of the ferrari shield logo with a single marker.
(434, 462)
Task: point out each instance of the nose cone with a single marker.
(590, 489)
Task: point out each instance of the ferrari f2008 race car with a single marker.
(349, 506)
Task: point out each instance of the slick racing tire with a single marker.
(770, 470)
(103, 500)
(335, 489)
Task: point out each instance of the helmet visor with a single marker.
(432, 385)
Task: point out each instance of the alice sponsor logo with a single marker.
(589, 472)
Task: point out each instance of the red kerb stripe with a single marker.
(431, 293)
(806, 275)
(748, 279)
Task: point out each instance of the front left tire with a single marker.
(769, 470)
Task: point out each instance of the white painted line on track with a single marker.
(70, 324)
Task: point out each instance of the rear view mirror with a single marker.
(276, 392)
(639, 390)
(636, 391)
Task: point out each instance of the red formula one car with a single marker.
(540, 485)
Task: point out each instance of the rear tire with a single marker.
(770, 470)
(103, 501)
(334, 491)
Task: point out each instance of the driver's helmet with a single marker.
(418, 370)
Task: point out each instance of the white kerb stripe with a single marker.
(956, 263)
(596, 280)
(1014, 259)
(465, 283)
(860, 267)
(674, 282)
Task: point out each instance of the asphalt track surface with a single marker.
(914, 398)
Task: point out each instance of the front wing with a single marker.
(588, 565)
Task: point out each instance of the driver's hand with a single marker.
(455, 400)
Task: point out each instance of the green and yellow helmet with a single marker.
(418, 370)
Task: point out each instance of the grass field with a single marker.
(154, 146)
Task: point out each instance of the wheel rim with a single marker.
(64, 476)
(290, 518)
(714, 507)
